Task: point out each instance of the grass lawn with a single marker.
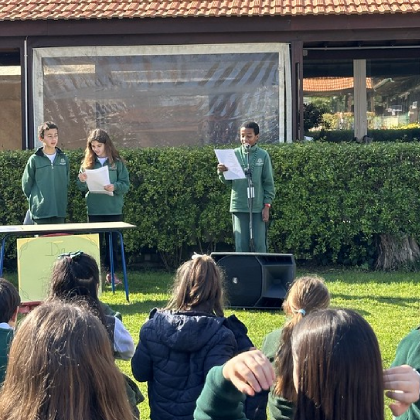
(390, 302)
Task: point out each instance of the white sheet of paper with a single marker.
(97, 179)
(229, 159)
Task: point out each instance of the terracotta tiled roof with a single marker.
(107, 9)
(330, 84)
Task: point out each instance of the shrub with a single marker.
(400, 135)
(332, 203)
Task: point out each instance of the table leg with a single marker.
(124, 267)
(111, 261)
(3, 249)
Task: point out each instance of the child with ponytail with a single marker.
(306, 294)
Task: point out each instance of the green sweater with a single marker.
(262, 179)
(408, 352)
(278, 407)
(6, 336)
(104, 204)
(45, 184)
(219, 399)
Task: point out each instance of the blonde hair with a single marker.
(61, 366)
(198, 285)
(306, 294)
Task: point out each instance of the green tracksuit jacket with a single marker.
(219, 399)
(45, 184)
(278, 407)
(6, 336)
(408, 353)
(262, 179)
(103, 204)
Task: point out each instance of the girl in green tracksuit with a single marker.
(99, 152)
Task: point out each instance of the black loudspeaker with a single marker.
(256, 280)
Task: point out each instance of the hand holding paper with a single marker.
(97, 180)
(228, 158)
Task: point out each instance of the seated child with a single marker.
(408, 352)
(333, 377)
(9, 306)
(305, 295)
(180, 343)
(75, 276)
(61, 367)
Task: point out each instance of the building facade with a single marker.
(157, 73)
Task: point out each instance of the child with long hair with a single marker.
(337, 367)
(75, 276)
(61, 367)
(306, 294)
(9, 307)
(100, 151)
(337, 373)
(181, 342)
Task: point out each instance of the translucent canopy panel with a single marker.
(164, 95)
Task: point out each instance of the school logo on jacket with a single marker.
(259, 162)
(63, 161)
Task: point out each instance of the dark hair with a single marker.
(306, 294)
(75, 276)
(47, 125)
(198, 286)
(252, 125)
(338, 367)
(61, 367)
(100, 136)
(9, 300)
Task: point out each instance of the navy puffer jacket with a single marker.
(174, 354)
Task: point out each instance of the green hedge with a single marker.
(386, 135)
(332, 202)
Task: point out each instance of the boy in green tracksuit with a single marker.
(261, 174)
(9, 306)
(46, 177)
